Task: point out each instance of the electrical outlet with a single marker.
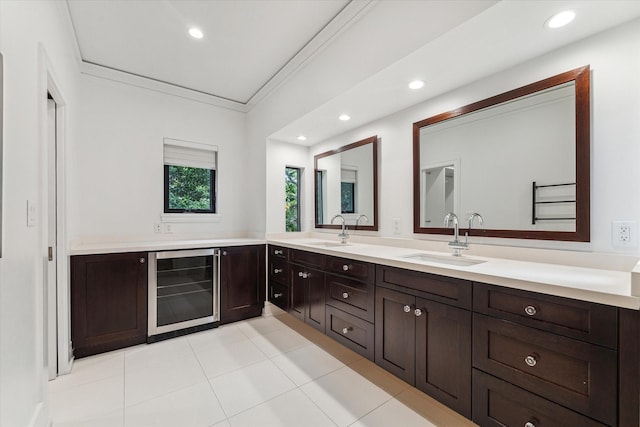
(624, 234)
(168, 228)
(157, 227)
(396, 226)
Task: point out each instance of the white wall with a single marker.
(116, 167)
(26, 28)
(279, 156)
(615, 87)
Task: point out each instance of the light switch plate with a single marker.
(32, 213)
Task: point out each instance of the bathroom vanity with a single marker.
(500, 341)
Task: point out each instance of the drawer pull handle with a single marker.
(277, 295)
(531, 423)
(277, 252)
(347, 330)
(417, 312)
(407, 309)
(530, 310)
(345, 295)
(346, 267)
(531, 360)
(277, 270)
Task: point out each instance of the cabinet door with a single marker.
(395, 333)
(108, 302)
(315, 303)
(297, 297)
(443, 354)
(242, 282)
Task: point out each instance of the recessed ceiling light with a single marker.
(560, 19)
(416, 84)
(302, 138)
(344, 117)
(196, 33)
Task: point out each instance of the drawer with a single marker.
(350, 331)
(358, 270)
(354, 297)
(448, 290)
(573, 373)
(278, 251)
(307, 258)
(582, 320)
(279, 295)
(279, 271)
(497, 403)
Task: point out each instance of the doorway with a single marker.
(50, 270)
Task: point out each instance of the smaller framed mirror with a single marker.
(346, 183)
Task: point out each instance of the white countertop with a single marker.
(158, 245)
(604, 286)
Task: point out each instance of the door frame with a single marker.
(50, 84)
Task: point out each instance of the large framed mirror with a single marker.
(521, 159)
(346, 183)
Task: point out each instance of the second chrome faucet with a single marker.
(456, 244)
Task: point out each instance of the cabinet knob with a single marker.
(224, 253)
(277, 295)
(304, 275)
(300, 273)
(346, 267)
(277, 252)
(407, 309)
(345, 295)
(347, 329)
(277, 270)
(531, 360)
(531, 423)
(142, 260)
(530, 310)
(417, 312)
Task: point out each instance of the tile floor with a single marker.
(267, 372)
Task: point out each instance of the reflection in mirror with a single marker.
(346, 184)
(521, 159)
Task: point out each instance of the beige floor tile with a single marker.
(432, 410)
(383, 379)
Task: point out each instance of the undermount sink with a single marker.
(449, 260)
(328, 244)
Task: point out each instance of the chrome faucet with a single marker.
(471, 218)
(344, 234)
(361, 216)
(456, 244)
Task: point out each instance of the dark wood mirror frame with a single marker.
(373, 140)
(582, 78)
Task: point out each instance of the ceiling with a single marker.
(357, 55)
(245, 42)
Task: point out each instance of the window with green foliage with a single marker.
(292, 199)
(347, 197)
(189, 189)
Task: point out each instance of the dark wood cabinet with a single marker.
(427, 344)
(307, 295)
(108, 302)
(497, 403)
(278, 273)
(576, 374)
(242, 282)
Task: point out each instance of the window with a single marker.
(292, 199)
(348, 179)
(347, 198)
(189, 177)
